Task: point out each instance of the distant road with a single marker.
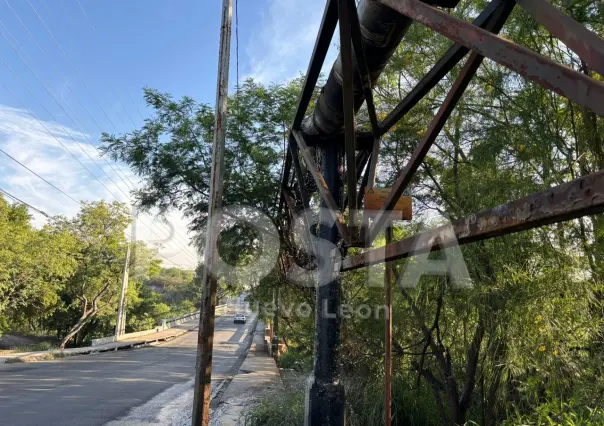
(95, 389)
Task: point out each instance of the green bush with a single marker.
(295, 360)
(557, 413)
(410, 407)
(364, 405)
(285, 408)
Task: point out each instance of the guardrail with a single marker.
(165, 324)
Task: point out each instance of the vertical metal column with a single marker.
(325, 393)
(205, 338)
(388, 337)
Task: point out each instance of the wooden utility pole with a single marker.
(205, 339)
(388, 337)
(120, 325)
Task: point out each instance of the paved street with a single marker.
(95, 389)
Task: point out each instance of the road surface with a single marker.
(96, 389)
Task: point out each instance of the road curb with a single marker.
(57, 354)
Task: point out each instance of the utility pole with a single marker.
(120, 325)
(205, 338)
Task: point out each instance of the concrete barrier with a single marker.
(165, 324)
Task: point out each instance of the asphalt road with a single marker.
(96, 389)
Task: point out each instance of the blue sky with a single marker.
(92, 59)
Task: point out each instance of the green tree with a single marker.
(99, 229)
(34, 266)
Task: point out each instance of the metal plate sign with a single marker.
(375, 198)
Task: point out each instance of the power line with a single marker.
(237, 42)
(62, 109)
(56, 69)
(62, 192)
(107, 52)
(51, 134)
(69, 61)
(66, 113)
(42, 212)
(83, 39)
(110, 61)
(53, 117)
(31, 171)
(81, 103)
(54, 98)
(76, 71)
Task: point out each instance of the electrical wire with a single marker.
(69, 116)
(79, 76)
(54, 98)
(109, 83)
(107, 52)
(51, 134)
(61, 191)
(8, 194)
(185, 240)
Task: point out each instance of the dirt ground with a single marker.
(10, 341)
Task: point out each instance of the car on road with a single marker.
(240, 318)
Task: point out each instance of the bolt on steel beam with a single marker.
(348, 108)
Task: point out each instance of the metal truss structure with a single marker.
(369, 35)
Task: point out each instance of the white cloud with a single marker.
(29, 141)
(281, 48)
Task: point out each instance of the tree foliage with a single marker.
(66, 276)
(524, 345)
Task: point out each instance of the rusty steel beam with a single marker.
(304, 196)
(439, 120)
(284, 179)
(364, 181)
(298, 173)
(580, 197)
(348, 107)
(325, 34)
(362, 68)
(587, 44)
(369, 182)
(388, 337)
(326, 30)
(563, 80)
(326, 195)
(289, 200)
(361, 162)
(489, 19)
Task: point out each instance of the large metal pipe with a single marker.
(382, 31)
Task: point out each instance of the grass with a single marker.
(285, 408)
(364, 404)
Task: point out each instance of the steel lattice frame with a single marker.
(580, 197)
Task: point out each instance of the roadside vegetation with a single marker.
(60, 284)
(524, 345)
